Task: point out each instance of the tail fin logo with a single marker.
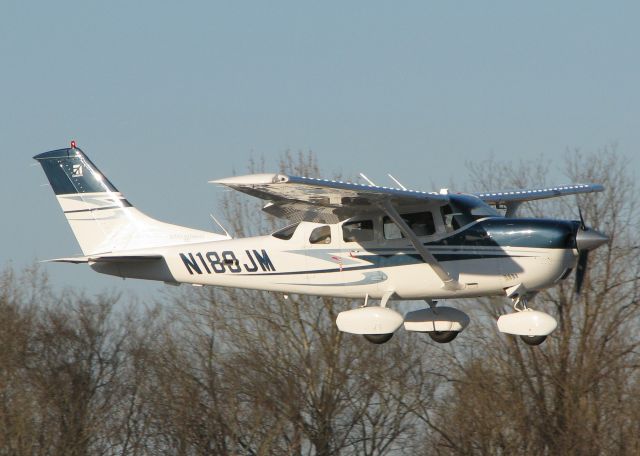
(77, 170)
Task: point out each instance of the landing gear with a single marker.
(532, 326)
(533, 340)
(376, 323)
(378, 338)
(520, 303)
(443, 337)
(442, 324)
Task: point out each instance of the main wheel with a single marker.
(533, 340)
(378, 338)
(443, 337)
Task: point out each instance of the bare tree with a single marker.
(62, 380)
(576, 393)
(272, 374)
(227, 371)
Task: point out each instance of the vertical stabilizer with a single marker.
(101, 218)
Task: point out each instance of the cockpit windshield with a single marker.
(286, 233)
(464, 209)
(475, 207)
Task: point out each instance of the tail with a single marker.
(101, 218)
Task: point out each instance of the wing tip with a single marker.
(252, 179)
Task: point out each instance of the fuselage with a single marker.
(353, 259)
(353, 241)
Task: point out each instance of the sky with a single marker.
(164, 96)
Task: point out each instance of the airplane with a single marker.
(345, 240)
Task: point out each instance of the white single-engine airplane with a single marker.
(348, 240)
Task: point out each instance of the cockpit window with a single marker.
(286, 233)
(420, 222)
(321, 235)
(360, 231)
(451, 219)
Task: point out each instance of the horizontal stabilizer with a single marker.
(106, 259)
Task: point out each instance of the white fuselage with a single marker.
(374, 241)
(351, 269)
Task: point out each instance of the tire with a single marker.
(443, 337)
(533, 340)
(378, 338)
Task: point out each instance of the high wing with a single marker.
(512, 199)
(519, 196)
(330, 201)
(322, 200)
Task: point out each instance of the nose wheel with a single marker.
(533, 326)
(520, 305)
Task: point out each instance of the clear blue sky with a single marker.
(164, 96)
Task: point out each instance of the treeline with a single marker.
(207, 371)
(200, 374)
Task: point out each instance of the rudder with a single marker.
(101, 218)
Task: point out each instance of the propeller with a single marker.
(586, 239)
(583, 259)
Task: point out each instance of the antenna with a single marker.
(367, 179)
(397, 182)
(220, 225)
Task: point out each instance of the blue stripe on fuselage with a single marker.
(510, 232)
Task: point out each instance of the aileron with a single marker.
(537, 193)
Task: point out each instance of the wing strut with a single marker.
(448, 282)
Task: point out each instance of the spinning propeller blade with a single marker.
(586, 239)
(582, 225)
(583, 259)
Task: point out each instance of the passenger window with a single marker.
(360, 231)
(390, 229)
(420, 222)
(321, 235)
(286, 233)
